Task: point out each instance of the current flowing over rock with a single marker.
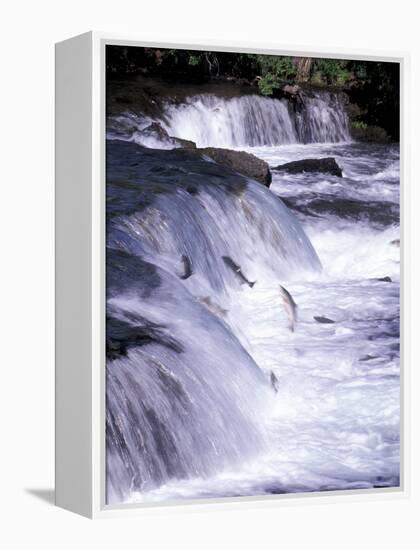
(250, 120)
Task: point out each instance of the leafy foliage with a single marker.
(194, 60)
(268, 83)
(274, 69)
(334, 71)
(359, 125)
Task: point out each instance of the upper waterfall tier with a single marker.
(252, 120)
(249, 120)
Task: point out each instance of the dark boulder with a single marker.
(241, 162)
(122, 336)
(326, 166)
(184, 143)
(156, 131)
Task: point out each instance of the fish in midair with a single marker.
(237, 269)
(212, 306)
(274, 382)
(188, 271)
(290, 307)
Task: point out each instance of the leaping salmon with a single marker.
(212, 306)
(290, 307)
(188, 271)
(274, 382)
(237, 269)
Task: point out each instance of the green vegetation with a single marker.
(270, 71)
(359, 125)
(334, 71)
(363, 132)
(194, 60)
(274, 71)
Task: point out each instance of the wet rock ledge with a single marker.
(241, 162)
(326, 166)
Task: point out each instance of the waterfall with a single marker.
(253, 120)
(184, 397)
(246, 121)
(240, 121)
(189, 402)
(322, 119)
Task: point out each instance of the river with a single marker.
(191, 407)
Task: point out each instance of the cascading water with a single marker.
(186, 399)
(322, 119)
(197, 329)
(250, 120)
(253, 120)
(246, 121)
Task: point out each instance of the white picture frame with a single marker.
(80, 277)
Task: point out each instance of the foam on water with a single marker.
(186, 399)
(245, 121)
(334, 423)
(193, 415)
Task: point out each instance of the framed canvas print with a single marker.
(228, 274)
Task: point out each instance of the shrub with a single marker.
(334, 71)
(361, 131)
(274, 70)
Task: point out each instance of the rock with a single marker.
(385, 279)
(121, 336)
(291, 90)
(156, 131)
(377, 212)
(115, 349)
(326, 165)
(184, 143)
(323, 320)
(238, 161)
(395, 242)
(241, 162)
